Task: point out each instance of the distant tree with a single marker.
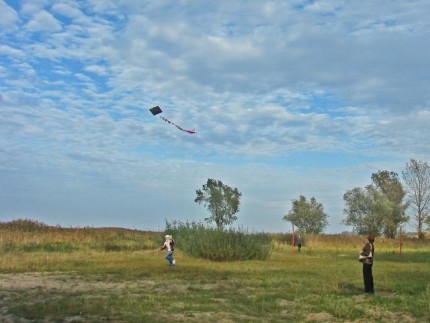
(388, 184)
(221, 200)
(308, 216)
(417, 179)
(366, 209)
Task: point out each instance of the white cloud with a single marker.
(69, 11)
(43, 21)
(10, 51)
(287, 99)
(8, 18)
(97, 69)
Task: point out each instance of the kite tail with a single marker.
(182, 129)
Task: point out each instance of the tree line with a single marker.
(379, 208)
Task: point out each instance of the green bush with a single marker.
(196, 240)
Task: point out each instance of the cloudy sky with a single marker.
(288, 98)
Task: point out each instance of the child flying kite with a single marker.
(157, 110)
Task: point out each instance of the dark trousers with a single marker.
(368, 278)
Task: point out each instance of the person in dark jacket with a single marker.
(366, 257)
(299, 243)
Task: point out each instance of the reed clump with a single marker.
(200, 241)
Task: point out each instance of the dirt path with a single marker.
(64, 282)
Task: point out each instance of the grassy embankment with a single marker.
(88, 274)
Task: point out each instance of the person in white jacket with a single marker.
(169, 245)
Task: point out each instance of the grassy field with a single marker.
(116, 275)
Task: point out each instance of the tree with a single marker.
(221, 200)
(308, 216)
(417, 178)
(388, 184)
(366, 209)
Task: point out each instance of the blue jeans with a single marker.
(169, 258)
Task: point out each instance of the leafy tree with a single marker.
(308, 216)
(221, 200)
(388, 184)
(417, 179)
(366, 209)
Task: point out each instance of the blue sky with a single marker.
(288, 98)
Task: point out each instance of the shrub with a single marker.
(196, 240)
(24, 225)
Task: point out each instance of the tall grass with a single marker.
(340, 242)
(33, 236)
(197, 240)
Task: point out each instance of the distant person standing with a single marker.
(366, 257)
(299, 243)
(169, 245)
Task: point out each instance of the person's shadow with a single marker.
(348, 288)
